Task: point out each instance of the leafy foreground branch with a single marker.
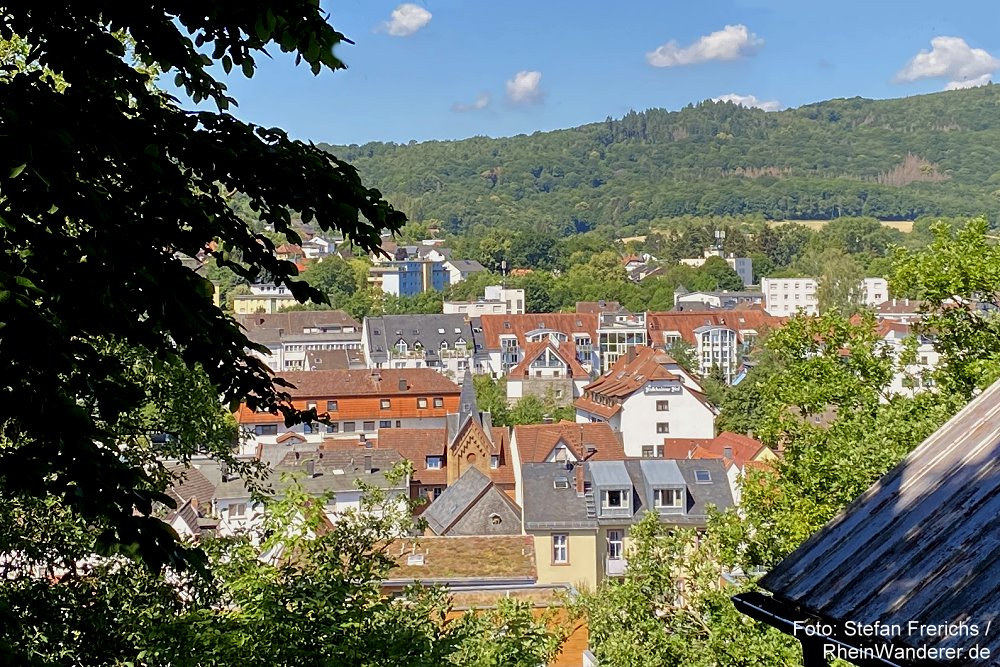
(304, 591)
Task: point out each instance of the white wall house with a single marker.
(647, 398)
(549, 369)
(874, 291)
(788, 296)
(743, 266)
(497, 300)
(914, 377)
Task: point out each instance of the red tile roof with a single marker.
(684, 323)
(495, 326)
(631, 372)
(744, 448)
(565, 351)
(536, 441)
(384, 383)
(415, 445)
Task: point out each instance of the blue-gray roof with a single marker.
(610, 474)
(661, 473)
(455, 500)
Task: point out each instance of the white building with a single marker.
(289, 337)
(497, 300)
(743, 266)
(460, 269)
(445, 343)
(549, 367)
(788, 296)
(914, 377)
(647, 397)
(874, 291)
(619, 332)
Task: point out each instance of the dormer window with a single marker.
(401, 346)
(668, 498)
(615, 499)
(444, 345)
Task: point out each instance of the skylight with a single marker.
(703, 476)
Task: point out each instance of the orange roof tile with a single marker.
(631, 372)
(495, 326)
(684, 323)
(536, 441)
(599, 409)
(384, 383)
(565, 351)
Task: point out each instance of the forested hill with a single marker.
(935, 154)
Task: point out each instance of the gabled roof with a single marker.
(631, 373)
(684, 324)
(565, 351)
(457, 499)
(742, 449)
(383, 383)
(466, 265)
(496, 326)
(415, 445)
(920, 545)
(190, 484)
(536, 441)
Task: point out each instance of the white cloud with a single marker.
(406, 20)
(482, 101)
(731, 43)
(953, 59)
(524, 88)
(749, 101)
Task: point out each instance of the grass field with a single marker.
(905, 226)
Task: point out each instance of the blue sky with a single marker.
(449, 69)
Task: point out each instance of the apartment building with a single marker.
(291, 338)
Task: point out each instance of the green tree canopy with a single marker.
(103, 180)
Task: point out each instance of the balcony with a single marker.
(615, 567)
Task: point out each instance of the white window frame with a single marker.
(560, 548)
(677, 495)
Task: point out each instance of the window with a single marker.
(385, 403)
(652, 451)
(332, 428)
(614, 499)
(616, 544)
(422, 403)
(265, 429)
(331, 406)
(703, 476)
(398, 423)
(308, 427)
(367, 427)
(662, 427)
(668, 498)
(237, 510)
(438, 402)
(663, 406)
(494, 461)
(349, 427)
(560, 483)
(311, 405)
(385, 423)
(560, 548)
(434, 462)
(444, 345)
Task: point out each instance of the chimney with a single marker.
(631, 354)
(310, 468)
(402, 384)
(727, 452)
(578, 480)
(368, 463)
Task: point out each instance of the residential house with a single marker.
(736, 451)
(720, 340)
(562, 442)
(460, 269)
(899, 310)
(473, 505)
(617, 333)
(916, 376)
(505, 337)
(358, 405)
(647, 397)
(409, 277)
(317, 247)
(724, 300)
(445, 343)
(788, 296)
(579, 515)
(263, 298)
(916, 552)
(743, 266)
(873, 291)
(322, 473)
(441, 455)
(497, 300)
(290, 252)
(290, 336)
(549, 369)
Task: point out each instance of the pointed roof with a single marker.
(468, 409)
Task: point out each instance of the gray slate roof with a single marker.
(922, 544)
(429, 330)
(548, 507)
(456, 500)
